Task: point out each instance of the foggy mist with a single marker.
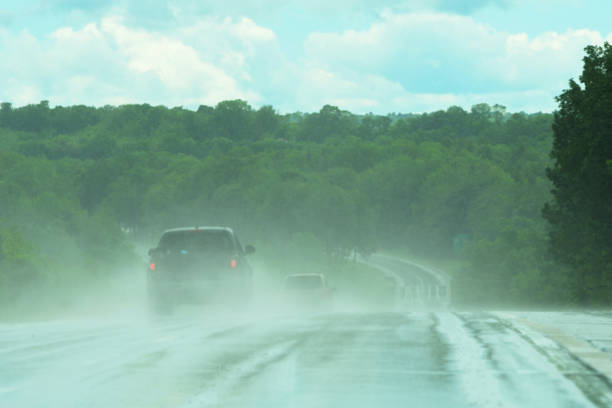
(231, 253)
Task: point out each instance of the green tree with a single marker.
(233, 120)
(580, 213)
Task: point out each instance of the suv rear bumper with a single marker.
(198, 291)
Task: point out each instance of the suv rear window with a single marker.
(196, 241)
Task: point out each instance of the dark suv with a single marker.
(195, 265)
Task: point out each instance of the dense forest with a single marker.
(83, 190)
(80, 185)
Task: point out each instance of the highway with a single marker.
(343, 358)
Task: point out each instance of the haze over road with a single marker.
(340, 359)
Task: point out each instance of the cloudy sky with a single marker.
(297, 55)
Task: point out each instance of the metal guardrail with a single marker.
(419, 294)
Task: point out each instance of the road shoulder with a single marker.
(576, 340)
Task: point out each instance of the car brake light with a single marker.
(152, 266)
(233, 263)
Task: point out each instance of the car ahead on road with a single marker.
(198, 265)
(309, 291)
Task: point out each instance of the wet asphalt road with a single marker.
(340, 359)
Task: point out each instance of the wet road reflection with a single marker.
(341, 360)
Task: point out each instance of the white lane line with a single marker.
(478, 380)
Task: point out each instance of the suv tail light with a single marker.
(152, 266)
(233, 263)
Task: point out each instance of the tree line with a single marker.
(82, 188)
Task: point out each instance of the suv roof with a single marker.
(200, 228)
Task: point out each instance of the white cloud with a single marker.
(548, 59)
(408, 39)
(178, 66)
(412, 48)
(416, 61)
(315, 87)
(108, 61)
(372, 93)
(239, 46)
(435, 59)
